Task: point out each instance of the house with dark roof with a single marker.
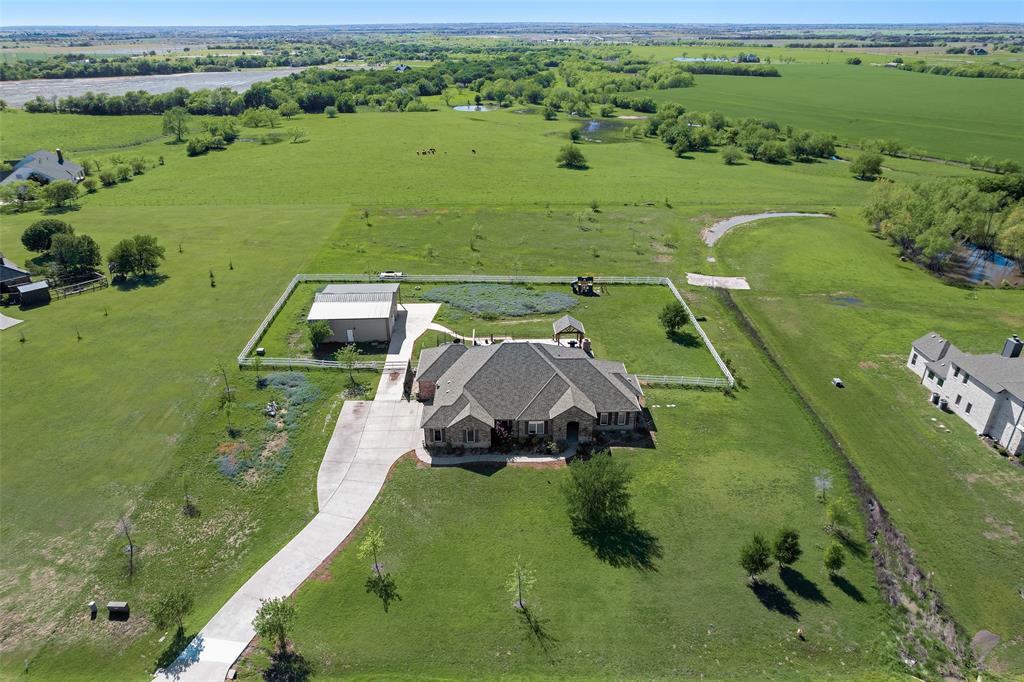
(11, 275)
(522, 390)
(45, 167)
(986, 391)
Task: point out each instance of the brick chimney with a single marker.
(60, 156)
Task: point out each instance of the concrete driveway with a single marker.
(368, 438)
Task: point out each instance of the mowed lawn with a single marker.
(922, 111)
(958, 501)
(723, 469)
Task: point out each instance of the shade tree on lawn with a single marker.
(75, 254)
(39, 235)
(59, 193)
(571, 157)
(139, 255)
(867, 166)
(273, 621)
(755, 557)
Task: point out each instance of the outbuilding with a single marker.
(11, 275)
(357, 313)
(36, 293)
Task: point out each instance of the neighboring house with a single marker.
(979, 51)
(522, 390)
(357, 313)
(986, 391)
(45, 167)
(402, 68)
(11, 275)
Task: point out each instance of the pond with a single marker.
(985, 266)
(473, 107)
(16, 93)
(700, 59)
(602, 130)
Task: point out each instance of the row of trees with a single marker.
(758, 555)
(67, 255)
(929, 220)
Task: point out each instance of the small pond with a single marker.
(473, 107)
(700, 59)
(603, 130)
(985, 266)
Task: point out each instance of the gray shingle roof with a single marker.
(45, 165)
(388, 288)
(435, 361)
(523, 381)
(11, 270)
(566, 322)
(992, 370)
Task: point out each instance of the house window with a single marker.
(606, 418)
(470, 436)
(535, 428)
(958, 399)
(966, 377)
(436, 435)
(621, 418)
(968, 409)
(931, 374)
(956, 371)
(941, 381)
(913, 359)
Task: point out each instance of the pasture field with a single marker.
(832, 300)
(111, 422)
(922, 111)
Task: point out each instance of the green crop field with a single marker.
(923, 111)
(113, 402)
(802, 274)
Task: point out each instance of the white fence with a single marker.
(662, 380)
(244, 358)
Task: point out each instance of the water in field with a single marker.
(602, 130)
(16, 93)
(700, 59)
(472, 107)
(985, 266)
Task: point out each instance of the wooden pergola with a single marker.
(567, 325)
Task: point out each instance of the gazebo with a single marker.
(567, 325)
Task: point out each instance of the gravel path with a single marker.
(718, 230)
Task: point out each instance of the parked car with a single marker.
(391, 274)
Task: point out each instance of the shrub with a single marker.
(108, 178)
(89, 184)
(571, 157)
(123, 173)
(786, 548)
(755, 557)
(867, 166)
(834, 557)
(319, 331)
(731, 155)
(854, 61)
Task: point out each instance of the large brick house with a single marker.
(522, 390)
(986, 391)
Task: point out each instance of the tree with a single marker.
(571, 157)
(176, 122)
(755, 557)
(520, 581)
(59, 192)
(331, 111)
(575, 135)
(597, 492)
(297, 135)
(771, 151)
(289, 108)
(39, 235)
(1011, 236)
(371, 546)
(836, 517)
(171, 609)
(550, 114)
(673, 316)
(89, 184)
(75, 253)
(138, 255)
(731, 155)
(834, 557)
(108, 178)
(348, 356)
(273, 620)
(319, 331)
(124, 527)
(867, 166)
(19, 193)
(786, 548)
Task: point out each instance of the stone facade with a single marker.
(555, 429)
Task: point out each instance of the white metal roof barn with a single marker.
(357, 313)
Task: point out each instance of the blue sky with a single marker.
(277, 12)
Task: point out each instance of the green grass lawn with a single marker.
(953, 496)
(723, 468)
(920, 110)
(108, 422)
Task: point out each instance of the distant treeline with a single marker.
(83, 66)
(988, 70)
(559, 79)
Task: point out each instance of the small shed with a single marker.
(567, 325)
(36, 293)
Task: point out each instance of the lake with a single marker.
(16, 93)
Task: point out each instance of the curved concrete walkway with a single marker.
(717, 231)
(368, 439)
